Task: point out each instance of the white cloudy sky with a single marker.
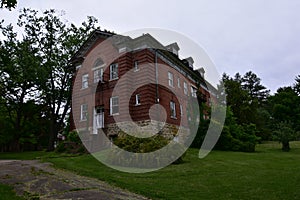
(262, 36)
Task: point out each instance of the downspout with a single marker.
(157, 94)
(156, 77)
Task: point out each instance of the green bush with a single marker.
(140, 147)
(72, 144)
(235, 137)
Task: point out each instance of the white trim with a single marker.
(181, 110)
(85, 81)
(82, 117)
(173, 108)
(136, 65)
(137, 99)
(171, 79)
(98, 77)
(111, 105)
(185, 88)
(111, 72)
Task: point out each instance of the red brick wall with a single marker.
(146, 77)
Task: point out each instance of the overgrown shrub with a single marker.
(72, 144)
(139, 149)
(235, 137)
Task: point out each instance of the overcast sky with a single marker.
(238, 35)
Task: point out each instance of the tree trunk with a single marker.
(286, 146)
(52, 134)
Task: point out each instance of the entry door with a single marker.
(98, 119)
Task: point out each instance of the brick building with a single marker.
(134, 84)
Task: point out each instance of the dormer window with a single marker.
(190, 61)
(174, 48)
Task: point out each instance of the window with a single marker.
(113, 71)
(178, 82)
(185, 89)
(78, 67)
(171, 81)
(173, 109)
(193, 91)
(83, 112)
(114, 105)
(181, 110)
(85, 81)
(138, 99)
(136, 65)
(98, 74)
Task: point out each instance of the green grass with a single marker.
(7, 192)
(268, 173)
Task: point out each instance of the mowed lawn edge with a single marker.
(268, 173)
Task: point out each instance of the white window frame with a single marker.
(85, 81)
(137, 99)
(178, 82)
(98, 75)
(113, 104)
(83, 112)
(185, 88)
(181, 110)
(193, 91)
(171, 79)
(173, 109)
(113, 71)
(136, 65)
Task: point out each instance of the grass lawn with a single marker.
(268, 173)
(6, 192)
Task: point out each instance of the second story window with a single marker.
(171, 79)
(136, 65)
(98, 75)
(181, 110)
(114, 71)
(193, 91)
(178, 82)
(85, 81)
(185, 88)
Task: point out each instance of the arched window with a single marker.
(98, 70)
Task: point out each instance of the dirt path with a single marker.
(36, 180)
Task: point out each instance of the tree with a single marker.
(237, 137)
(42, 56)
(247, 98)
(9, 4)
(19, 70)
(251, 83)
(284, 133)
(238, 99)
(297, 85)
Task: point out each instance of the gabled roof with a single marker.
(90, 42)
(145, 40)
